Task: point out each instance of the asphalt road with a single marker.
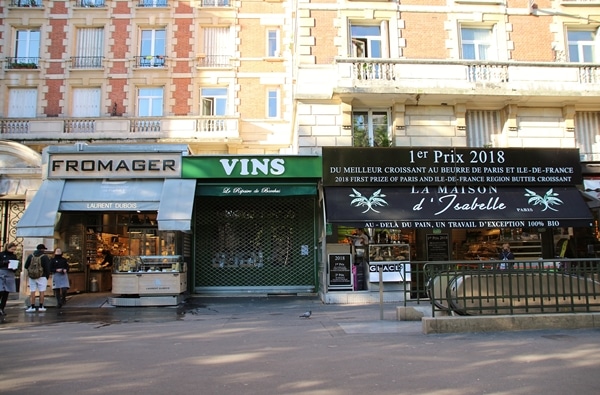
(261, 346)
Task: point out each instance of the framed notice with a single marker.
(438, 247)
(340, 271)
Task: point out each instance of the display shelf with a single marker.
(394, 260)
(149, 275)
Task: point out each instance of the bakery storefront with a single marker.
(255, 221)
(423, 204)
(128, 201)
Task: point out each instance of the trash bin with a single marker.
(94, 284)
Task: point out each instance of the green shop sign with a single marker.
(250, 167)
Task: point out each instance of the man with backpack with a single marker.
(38, 270)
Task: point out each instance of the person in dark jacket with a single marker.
(7, 274)
(60, 278)
(38, 284)
(108, 259)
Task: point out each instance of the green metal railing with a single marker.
(508, 287)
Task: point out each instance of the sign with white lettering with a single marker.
(252, 167)
(450, 166)
(115, 165)
(456, 207)
(256, 190)
(108, 206)
(340, 271)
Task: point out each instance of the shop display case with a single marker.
(149, 275)
(395, 260)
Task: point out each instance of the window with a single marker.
(477, 43)
(273, 103)
(153, 48)
(150, 102)
(370, 129)
(22, 103)
(366, 41)
(218, 47)
(90, 46)
(587, 134)
(214, 101)
(481, 125)
(86, 102)
(581, 46)
(273, 43)
(27, 46)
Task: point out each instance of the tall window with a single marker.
(371, 129)
(22, 103)
(27, 46)
(273, 110)
(153, 48)
(86, 102)
(481, 125)
(150, 102)
(366, 41)
(581, 46)
(214, 101)
(90, 47)
(273, 43)
(218, 47)
(587, 134)
(477, 43)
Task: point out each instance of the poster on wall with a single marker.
(438, 247)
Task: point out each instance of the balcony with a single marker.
(150, 61)
(91, 3)
(214, 61)
(119, 128)
(153, 3)
(451, 79)
(216, 3)
(25, 3)
(21, 63)
(87, 62)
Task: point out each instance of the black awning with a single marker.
(457, 207)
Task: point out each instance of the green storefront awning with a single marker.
(256, 190)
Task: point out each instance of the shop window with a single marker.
(371, 129)
(89, 50)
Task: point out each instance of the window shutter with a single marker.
(22, 103)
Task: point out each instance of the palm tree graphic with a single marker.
(371, 202)
(550, 198)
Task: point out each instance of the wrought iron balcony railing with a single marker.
(21, 63)
(153, 3)
(91, 3)
(87, 62)
(25, 3)
(215, 3)
(150, 61)
(215, 61)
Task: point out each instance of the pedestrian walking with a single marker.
(8, 264)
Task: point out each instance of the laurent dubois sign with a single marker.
(115, 165)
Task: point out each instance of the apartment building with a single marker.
(215, 75)
(452, 74)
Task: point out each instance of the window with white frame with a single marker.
(582, 45)
(86, 102)
(273, 108)
(153, 46)
(477, 43)
(27, 46)
(90, 47)
(587, 134)
(370, 128)
(22, 103)
(214, 101)
(366, 41)
(481, 126)
(150, 102)
(273, 43)
(218, 47)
